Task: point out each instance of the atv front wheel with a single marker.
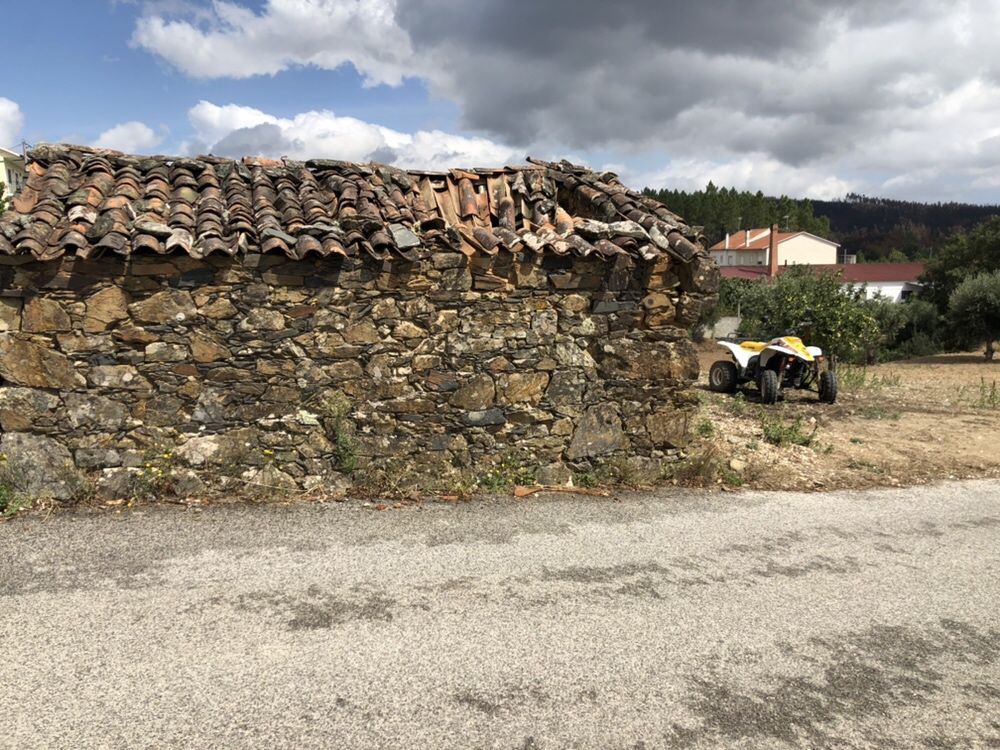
(827, 386)
(722, 377)
(769, 387)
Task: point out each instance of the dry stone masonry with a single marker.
(200, 325)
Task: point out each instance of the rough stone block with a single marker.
(39, 466)
(105, 308)
(598, 432)
(168, 306)
(475, 394)
(43, 315)
(21, 408)
(24, 362)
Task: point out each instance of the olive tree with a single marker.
(974, 308)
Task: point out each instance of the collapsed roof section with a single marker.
(87, 202)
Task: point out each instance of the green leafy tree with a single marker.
(909, 329)
(974, 308)
(732, 293)
(965, 255)
(4, 202)
(816, 306)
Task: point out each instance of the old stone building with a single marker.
(206, 324)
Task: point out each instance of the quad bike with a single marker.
(783, 362)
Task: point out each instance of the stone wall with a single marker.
(171, 374)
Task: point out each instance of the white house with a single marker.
(12, 172)
(749, 247)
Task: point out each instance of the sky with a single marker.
(809, 98)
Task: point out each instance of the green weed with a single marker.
(13, 498)
(512, 469)
(700, 468)
(864, 466)
(335, 408)
(989, 398)
(779, 432)
(857, 379)
(737, 404)
(878, 412)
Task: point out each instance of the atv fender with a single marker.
(741, 355)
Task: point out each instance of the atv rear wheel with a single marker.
(769, 387)
(722, 376)
(828, 386)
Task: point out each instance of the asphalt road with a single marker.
(844, 620)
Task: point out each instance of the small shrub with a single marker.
(737, 404)
(705, 428)
(13, 495)
(700, 469)
(989, 398)
(864, 466)
(512, 469)
(779, 432)
(335, 407)
(731, 478)
(12, 502)
(156, 478)
(858, 379)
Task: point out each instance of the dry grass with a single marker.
(893, 424)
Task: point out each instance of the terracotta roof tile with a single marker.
(86, 201)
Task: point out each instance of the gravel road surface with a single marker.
(670, 620)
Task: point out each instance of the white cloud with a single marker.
(233, 130)
(822, 95)
(11, 122)
(132, 137)
(235, 42)
(752, 172)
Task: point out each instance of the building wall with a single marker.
(890, 290)
(805, 249)
(740, 257)
(169, 374)
(12, 175)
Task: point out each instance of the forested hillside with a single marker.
(874, 229)
(879, 229)
(722, 210)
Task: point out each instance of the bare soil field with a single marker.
(898, 423)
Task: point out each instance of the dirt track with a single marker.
(893, 424)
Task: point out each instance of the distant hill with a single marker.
(878, 229)
(874, 229)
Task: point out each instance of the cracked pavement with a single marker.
(675, 620)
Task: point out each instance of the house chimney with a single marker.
(727, 240)
(746, 239)
(772, 253)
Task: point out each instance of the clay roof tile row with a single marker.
(86, 202)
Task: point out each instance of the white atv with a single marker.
(784, 362)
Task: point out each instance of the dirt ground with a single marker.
(899, 423)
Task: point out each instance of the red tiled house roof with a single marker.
(86, 202)
(853, 273)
